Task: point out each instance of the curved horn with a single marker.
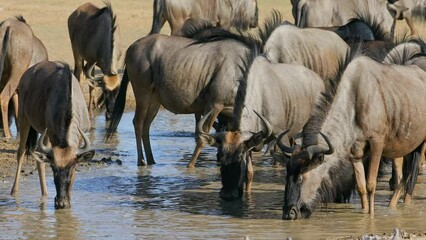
(330, 146)
(284, 148)
(267, 125)
(44, 149)
(202, 121)
(88, 72)
(86, 140)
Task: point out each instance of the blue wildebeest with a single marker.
(316, 49)
(240, 14)
(414, 7)
(51, 103)
(95, 40)
(270, 99)
(19, 50)
(329, 13)
(375, 109)
(186, 76)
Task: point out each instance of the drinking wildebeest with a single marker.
(375, 108)
(51, 103)
(19, 50)
(316, 49)
(240, 14)
(270, 99)
(184, 75)
(95, 40)
(329, 13)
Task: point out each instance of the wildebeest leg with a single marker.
(78, 66)
(358, 167)
(91, 101)
(41, 168)
(5, 97)
(375, 155)
(23, 136)
(197, 119)
(410, 24)
(138, 121)
(150, 115)
(396, 172)
(397, 166)
(16, 106)
(250, 172)
(200, 144)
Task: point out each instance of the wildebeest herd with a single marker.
(337, 93)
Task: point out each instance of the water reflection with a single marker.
(169, 201)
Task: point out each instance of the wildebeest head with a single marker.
(301, 190)
(387, 19)
(245, 14)
(234, 149)
(63, 161)
(109, 86)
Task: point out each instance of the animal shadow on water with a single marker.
(180, 192)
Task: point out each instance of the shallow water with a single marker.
(168, 201)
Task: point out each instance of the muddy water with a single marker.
(169, 201)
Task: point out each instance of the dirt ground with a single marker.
(48, 19)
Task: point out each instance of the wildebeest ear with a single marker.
(313, 163)
(86, 156)
(208, 139)
(397, 11)
(40, 157)
(254, 141)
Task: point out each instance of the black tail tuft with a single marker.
(410, 169)
(120, 103)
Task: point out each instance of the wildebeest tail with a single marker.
(4, 48)
(120, 103)
(31, 143)
(410, 169)
(156, 18)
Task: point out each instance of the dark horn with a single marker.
(267, 125)
(45, 149)
(284, 148)
(202, 121)
(330, 146)
(88, 72)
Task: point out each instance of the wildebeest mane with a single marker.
(240, 98)
(338, 187)
(371, 21)
(400, 58)
(323, 105)
(204, 32)
(270, 24)
(64, 111)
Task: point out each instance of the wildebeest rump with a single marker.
(186, 76)
(19, 50)
(95, 40)
(329, 13)
(270, 99)
(51, 102)
(376, 108)
(316, 49)
(240, 14)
